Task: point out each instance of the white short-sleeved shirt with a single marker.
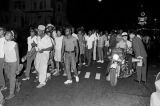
(90, 41)
(2, 40)
(9, 51)
(30, 41)
(44, 43)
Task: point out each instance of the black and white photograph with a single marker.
(79, 53)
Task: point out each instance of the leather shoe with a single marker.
(137, 81)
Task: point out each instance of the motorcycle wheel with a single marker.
(113, 77)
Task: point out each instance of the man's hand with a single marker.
(41, 51)
(34, 44)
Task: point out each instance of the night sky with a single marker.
(109, 13)
(4, 5)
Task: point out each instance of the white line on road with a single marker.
(87, 75)
(98, 75)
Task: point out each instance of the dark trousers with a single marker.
(89, 55)
(2, 81)
(29, 63)
(129, 59)
(81, 58)
(70, 62)
(105, 49)
(10, 70)
(142, 70)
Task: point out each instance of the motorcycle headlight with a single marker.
(115, 57)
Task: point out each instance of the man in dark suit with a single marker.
(140, 52)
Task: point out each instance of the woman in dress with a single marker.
(11, 61)
(58, 48)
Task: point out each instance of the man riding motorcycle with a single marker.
(119, 59)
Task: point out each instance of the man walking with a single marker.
(101, 41)
(44, 46)
(140, 52)
(31, 54)
(70, 51)
(90, 44)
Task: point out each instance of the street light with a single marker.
(99, 0)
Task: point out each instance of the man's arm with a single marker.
(47, 49)
(63, 47)
(29, 47)
(136, 47)
(77, 48)
(17, 53)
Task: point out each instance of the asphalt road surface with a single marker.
(92, 90)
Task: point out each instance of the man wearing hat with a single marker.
(44, 45)
(128, 52)
(52, 29)
(125, 38)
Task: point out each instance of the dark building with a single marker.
(34, 12)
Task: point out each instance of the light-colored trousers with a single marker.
(30, 59)
(41, 64)
(10, 70)
(100, 53)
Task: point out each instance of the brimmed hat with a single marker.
(124, 34)
(41, 27)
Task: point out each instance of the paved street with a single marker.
(92, 90)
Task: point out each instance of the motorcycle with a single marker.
(114, 69)
(118, 67)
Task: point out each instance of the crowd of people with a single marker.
(55, 49)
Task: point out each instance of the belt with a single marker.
(69, 51)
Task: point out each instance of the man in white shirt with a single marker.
(31, 54)
(2, 41)
(89, 43)
(44, 47)
(95, 38)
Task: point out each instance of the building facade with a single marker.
(60, 12)
(24, 13)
